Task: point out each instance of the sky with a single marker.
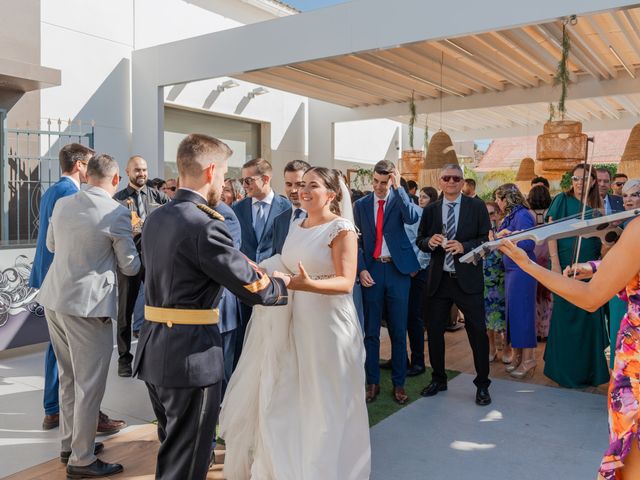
(306, 5)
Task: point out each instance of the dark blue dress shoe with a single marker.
(94, 470)
(482, 396)
(433, 388)
(64, 456)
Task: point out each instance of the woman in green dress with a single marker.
(574, 356)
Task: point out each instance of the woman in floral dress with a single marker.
(494, 302)
(619, 268)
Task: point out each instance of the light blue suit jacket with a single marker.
(43, 257)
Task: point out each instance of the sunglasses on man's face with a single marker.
(619, 184)
(448, 178)
(249, 180)
(173, 189)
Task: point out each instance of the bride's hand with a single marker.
(301, 281)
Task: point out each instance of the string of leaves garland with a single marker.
(363, 179)
(562, 144)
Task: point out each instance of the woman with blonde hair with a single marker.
(520, 288)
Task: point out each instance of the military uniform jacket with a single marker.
(189, 256)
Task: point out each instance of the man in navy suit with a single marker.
(73, 160)
(451, 227)
(293, 172)
(385, 262)
(611, 203)
(256, 214)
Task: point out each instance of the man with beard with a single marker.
(293, 172)
(180, 351)
(141, 201)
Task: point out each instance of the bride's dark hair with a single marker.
(331, 179)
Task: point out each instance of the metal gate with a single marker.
(30, 167)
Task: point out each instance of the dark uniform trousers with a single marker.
(128, 289)
(182, 365)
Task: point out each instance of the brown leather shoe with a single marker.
(373, 391)
(108, 426)
(399, 395)
(51, 421)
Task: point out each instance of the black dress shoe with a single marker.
(385, 364)
(416, 370)
(482, 396)
(433, 388)
(125, 370)
(96, 469)
(64, 456)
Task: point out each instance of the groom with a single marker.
(385, 263)
(179, 353)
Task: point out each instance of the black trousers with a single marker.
(415, 323)
(436, 310)
(187, 420)
(128, 288)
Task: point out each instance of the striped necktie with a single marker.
(451, 233)
(261, 220)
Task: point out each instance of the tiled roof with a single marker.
(507, 153)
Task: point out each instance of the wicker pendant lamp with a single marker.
(441, 151)
(526, 173)
(630, 161)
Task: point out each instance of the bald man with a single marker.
(141, 200)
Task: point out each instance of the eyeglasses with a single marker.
(173, 189)
(577, 179)
(634, 195)
(250, 180)
(448, 178)
(619, 184)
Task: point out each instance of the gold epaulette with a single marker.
(210, 211)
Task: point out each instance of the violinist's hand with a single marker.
(503, 233)
(583, 271)
(515, 253)
(301, 281)
(492, 235)
(285, 277)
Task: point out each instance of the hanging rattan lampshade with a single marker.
(440, 151)
(630, 161)
(526, 171)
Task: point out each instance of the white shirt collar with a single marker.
(268, 199)
(377, 199)
(456, 200)
(77, 183)
(197, 193)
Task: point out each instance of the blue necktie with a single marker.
(451, 233)
(261, 220)
(299, 213)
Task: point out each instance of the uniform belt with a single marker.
(386, 259)
(180, 316)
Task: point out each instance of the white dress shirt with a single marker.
(607, 205)
(445, 214)
(254, 206)
(385, 250)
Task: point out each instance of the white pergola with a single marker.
(362, 59)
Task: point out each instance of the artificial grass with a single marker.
(385, 405)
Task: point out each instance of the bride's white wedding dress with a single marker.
(295, 406)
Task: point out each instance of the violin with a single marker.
(605, 227)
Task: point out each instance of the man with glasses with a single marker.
(610, 203)
(169, 188)
(451, 227)
(256, 214)
(141, 200)
(619, 179)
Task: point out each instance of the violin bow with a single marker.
(584, 195)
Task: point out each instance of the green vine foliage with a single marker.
(426, 135)
(562, 72)
(363, 178)
(412, 118)
(565, 183)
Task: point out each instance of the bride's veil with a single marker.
(346, 210)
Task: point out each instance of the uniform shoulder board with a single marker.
(210, 211)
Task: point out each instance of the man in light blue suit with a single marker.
(256, 214)
(386, 261)
(293, 173)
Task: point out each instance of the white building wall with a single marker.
(91, 42)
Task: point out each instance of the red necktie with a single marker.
(379, 222)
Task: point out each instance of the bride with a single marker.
(295, 406)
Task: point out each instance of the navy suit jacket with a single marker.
(398, 212)
(617, 205)
(281, 226)
(228, 306)
(257, 249)
(43, 257)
